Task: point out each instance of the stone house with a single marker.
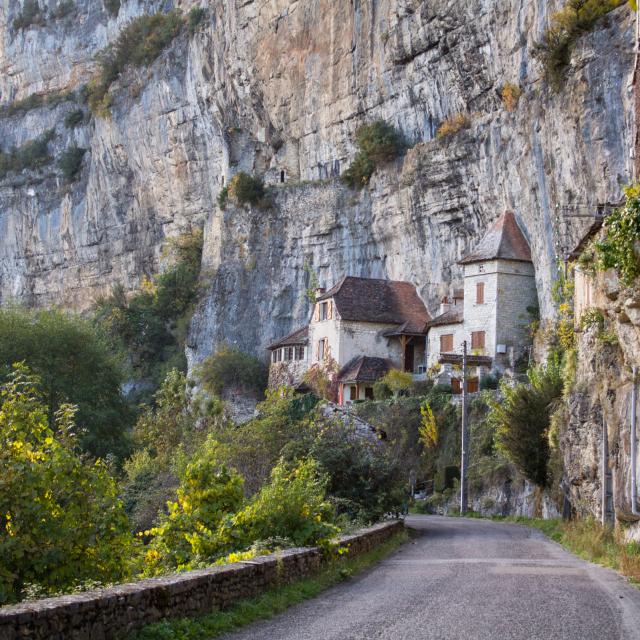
(361, 327)
(491, 313)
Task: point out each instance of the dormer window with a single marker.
(324, 310)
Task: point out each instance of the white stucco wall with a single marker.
(457, 330)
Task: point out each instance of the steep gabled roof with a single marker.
(297, 337)
(453, 316)
(504, 240)
(376, 300)
(364, 369)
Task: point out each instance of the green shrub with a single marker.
(617, 250)
(223, 197)
(246, 189)
(229, 367)
(377, 142)
(73, 118)
(31, 14)
(523, 417)
(70, 162)
(63, 522)
(592, 318)
(194, 18)
(292, 506)
(489, 382)
(139, 44)
(31, 155)
(575, 19)
(397, 381)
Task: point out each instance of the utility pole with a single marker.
(463, 462)
(634, 443)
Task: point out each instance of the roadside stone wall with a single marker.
(111, 614)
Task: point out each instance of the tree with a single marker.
(62, 521)
(523, 417)
(75, 363)
(397, 381)
(231, 368)
(428, 426)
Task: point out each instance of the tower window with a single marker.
(282, 176)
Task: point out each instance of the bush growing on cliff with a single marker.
(63, 522)
(195, 16)
(112, 7)
(453, 125)
(31, 155)
(523, 417)
(575, 19)
(244, 189)
(70, 162)
(618, 249)
(31, 14)
(74, 118)
(377, 142)
(138, 44)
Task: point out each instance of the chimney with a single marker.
(320, 291)
(444, 305)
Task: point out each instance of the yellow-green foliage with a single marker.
(510, 94)
(562, 294)
(397, 381)
(61, 521)
(246, 189)
(138, 44)
(576, 18)
(453, 125)
(428, 427)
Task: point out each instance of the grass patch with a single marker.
(591, 541)
(270, 603)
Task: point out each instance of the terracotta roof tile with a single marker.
(504, 240)
(297, 337)
(375, 300)
(364, 369)
(453, 316)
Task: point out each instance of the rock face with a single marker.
(281, 86)
(278, 88)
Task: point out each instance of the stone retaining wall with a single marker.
(110, 614)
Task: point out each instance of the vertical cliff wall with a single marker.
(282, 85)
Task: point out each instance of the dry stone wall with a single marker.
(110, 614)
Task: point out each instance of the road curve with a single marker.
(467, 579)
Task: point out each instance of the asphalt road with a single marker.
(464, 579)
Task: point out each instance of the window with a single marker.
(274, 355)
(288, 353)
(480, 293)
(322, 349)
(282, 176)
(446, 343)
(324, 310)
(477, 339)
(299, 353)
(481, 269)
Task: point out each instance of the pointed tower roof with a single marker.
(504, 240)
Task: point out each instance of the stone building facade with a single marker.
(496, 308)
(359, 329)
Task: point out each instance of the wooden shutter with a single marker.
(480, 293)
(446, 343)
(477, 340)
(330, 310)
(316, 313)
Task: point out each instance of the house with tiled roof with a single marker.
(362, 326)
(491, 314)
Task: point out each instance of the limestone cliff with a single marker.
(281, 85)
